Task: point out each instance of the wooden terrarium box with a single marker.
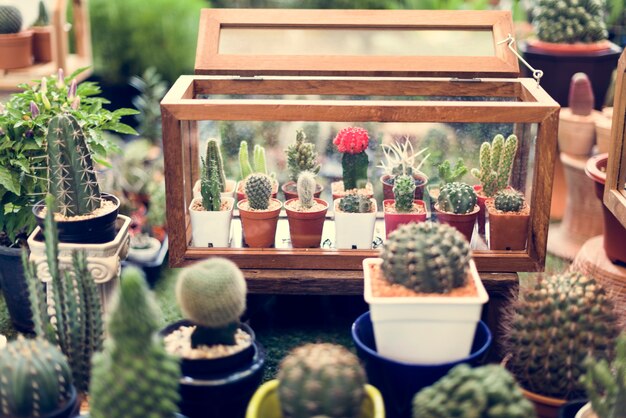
(438, 79)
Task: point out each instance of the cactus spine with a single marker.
(301, 156)
(509, 200)
(214, 155)
(321, 380)
(133, 376)
(355, 203)
(72, 178)
(10, 19)
(306, 188)
(404, 192)
(210, 186)
(258, 189)
(580, 99)
(570, 21)
(71, 317)
(488, 391)
(458, 198)
(496, 163)
(554, 328)
(212, 294)
(35, 379)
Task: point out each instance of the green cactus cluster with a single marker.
(213, 154)
(426, 257)
(321, 380)
(69, 314)
(10, 19)
(570, 21)
(496, 162)
(404, 192)
(509, 200)
(484, 392)
(258, 190)
(35, 379)
(355, 203)
(258, 165)
(306, 188)
(555, 326)
(133, 376)
(458, 198)
(212, 294)
(449, 174)
(301, 156)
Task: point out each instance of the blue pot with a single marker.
(398, 381)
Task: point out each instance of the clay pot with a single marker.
(16, 50)
(482, 213)
(42, 44)
(394, 220)
(577, 134)
(464, 223)
(603, 132)
(420, 183)
(305, 228)
(290, 191)
(507, 231)
(545, 406)
(259, 227)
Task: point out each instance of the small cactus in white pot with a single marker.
(259, 211)
(355, 217)
(306, 214)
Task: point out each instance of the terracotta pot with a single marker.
(482, 213)
(420, 183)
(259, 227)
(394, 220)
(16, 50)
(507, 231)
(42, 44)
(305, 228)
(614, 232)
(546, 407)
(577, 134)
(603, 132)
(464, 222)
(290, 191)
(339, 195)
(241, 195)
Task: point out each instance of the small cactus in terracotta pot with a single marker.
(457, 206)
(509, 216)
(259, 211)
(306, 214)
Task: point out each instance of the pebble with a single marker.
(178, 343)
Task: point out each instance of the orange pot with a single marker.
(306, 228)
(507, 231)
(290, 191)
(16, 50)
(546, 407)
(42, 43)
(259, 227)
(571, 49)
(464, 223)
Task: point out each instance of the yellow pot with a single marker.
(265, 403)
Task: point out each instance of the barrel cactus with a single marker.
(10, 19)
(496, 162)
(35, 379)
(306, 188)
(355, 203)
(258, 190)
(570, 21)
(458, 198)
(426, 257)
(321, 380)
(509, 200)
(301, 156)
(404, 193)
(556, 325)
(212, 294)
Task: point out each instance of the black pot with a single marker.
(68, 410)
(15, 288)
(96, 230)
(152, 269)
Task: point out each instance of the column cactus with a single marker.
(301, 156)
(71, 176)
(353, 142)
(404, 192)
(258, 190)
(134, 377)
(245, 168)
(213, 155)
(210, 186)
(496, 163)
(306, 189)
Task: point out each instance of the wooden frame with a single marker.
(614, 195)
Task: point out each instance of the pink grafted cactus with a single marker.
(581, 100)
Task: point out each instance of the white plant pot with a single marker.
(424, 330)
(211, 228)
(586, 412)
(145, 255)
(354, 230)
(230, 185)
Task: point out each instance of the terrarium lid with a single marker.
(393, 43)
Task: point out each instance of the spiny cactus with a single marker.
(484, 392)
(71, 316)
(448, 174)
(458, 198)
(35, 379)
(301, 156)
(509, 200)
(72, 178)
(42, 19)
(212, 294)
(258, 190)
(306, 188)
(606, 385)
(353, 142)
(355, 203)
(10, 19)
(496, 163)
(321, 380)
(213, 154)
(556, 325)
(210, 186)
(404, 192)
(134, 377)
(426, 257)
(569, 21)
(580, 100)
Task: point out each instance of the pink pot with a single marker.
(394, 220)
(464, 223)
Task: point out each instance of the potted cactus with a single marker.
(84, 215)
(259, 211)
(487, 391)
(404, 208)
(554, 327)
(301, 156)
(318, 380)
(352, 142)
(509, 216)
(35, 381)
(355, 217)
(457, 206)
(446, 174)
(222, 364)
(212, 212)
(42, 35)
(16, 45)
(258, 166)
(306, 214)
(213, 153)
(401, 159)
(425, 295)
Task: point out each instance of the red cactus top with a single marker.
(352, 140)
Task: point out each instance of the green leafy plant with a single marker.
(496, 163)
(301, 156)
(570, 21)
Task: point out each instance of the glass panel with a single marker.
(365, 41)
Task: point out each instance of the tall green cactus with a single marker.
(301, 156)
(404, 192)
(214, 155)
(71, 317)
(496, 163)
(306, 188)
(133, 377)
(258, 159)
(245, 168)
(210, 186)
(10, 19)
(43, 19)
(72, 178)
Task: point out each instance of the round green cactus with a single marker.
(458, 198)
(570, 21)
(484, 392)
(10, 19)
(355, 203)
(212, 294)
(306, 188)
(426, 257)
(554, 328)
(321, 380)
(509, 200)
(35, 379)
(259, 191)
(404, 192)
